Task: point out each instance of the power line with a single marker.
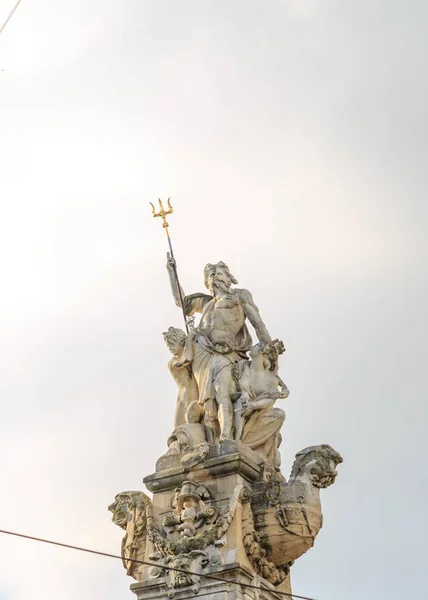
(10, 15)
(142, 562)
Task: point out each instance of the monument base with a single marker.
(230, 514)
(237, 576)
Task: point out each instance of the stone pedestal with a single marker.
(236, 589)
(231, 514)
(222, 537)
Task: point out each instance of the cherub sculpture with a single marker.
(181, 372)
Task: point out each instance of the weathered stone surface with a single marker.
(208, 589)
(220, 504)
(182, 374)
(130, 513)
(225, 458)
(217, 348)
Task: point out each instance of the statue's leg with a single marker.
(210, 421)
(239, 421)
(180, 413)
(222, 386)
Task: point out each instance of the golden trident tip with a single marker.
(162, 212)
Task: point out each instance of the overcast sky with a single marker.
(292, 138)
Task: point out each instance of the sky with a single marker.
(291, 136)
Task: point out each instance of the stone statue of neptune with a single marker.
(219, 342)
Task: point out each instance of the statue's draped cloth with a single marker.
(261, 431)
(261, 427)
(209, 359)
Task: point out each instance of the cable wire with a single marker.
(143, 562)
(10, 15)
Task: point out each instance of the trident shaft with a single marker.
(163, 213)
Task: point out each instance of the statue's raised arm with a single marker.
(253, 315)
(172, 273)
(191, 304)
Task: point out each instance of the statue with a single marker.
(181, 372)
(222, 514)
(220, 340)
(258, 422)
(129, 513)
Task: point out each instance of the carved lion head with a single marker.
(320, 461)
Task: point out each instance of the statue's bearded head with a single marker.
(218, 278)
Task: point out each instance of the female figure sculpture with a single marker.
(258, 422)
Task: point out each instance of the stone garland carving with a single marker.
(197, 524)
(191, 535)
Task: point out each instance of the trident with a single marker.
(163, 213)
